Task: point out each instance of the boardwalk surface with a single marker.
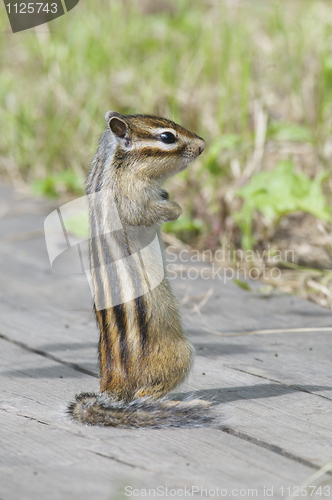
(272, 391)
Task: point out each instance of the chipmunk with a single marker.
(143, 351)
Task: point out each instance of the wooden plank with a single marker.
(231, 309)
(26, 265)
(277, 414)
(17, 203)
(30, 296)
(296, 363)
(55, 458)
(76, 345)
(251, 406)
(268, 405)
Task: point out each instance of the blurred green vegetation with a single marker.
(278, 193)
(253, 78)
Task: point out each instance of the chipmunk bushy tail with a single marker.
(101, 409)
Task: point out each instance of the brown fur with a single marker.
(143, 350)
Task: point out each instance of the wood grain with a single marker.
(272, 393)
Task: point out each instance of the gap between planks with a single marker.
(74, 366)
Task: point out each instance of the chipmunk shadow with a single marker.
(259, 391)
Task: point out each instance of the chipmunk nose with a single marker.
(201, 146)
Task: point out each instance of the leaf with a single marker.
(242, 284)
(53, 185)
(277, 193)
(183, 224)
(78, 225)
(227, 141)
(280, 131)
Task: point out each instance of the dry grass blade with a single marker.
(312, 479)
(320, 288)
(202, 303)
(206, 328)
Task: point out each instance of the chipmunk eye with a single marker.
(168, 138)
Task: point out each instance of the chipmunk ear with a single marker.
(116, 124)
(110, 114)
(118, 127)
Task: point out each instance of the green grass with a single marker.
(277, 193)
(254, 79)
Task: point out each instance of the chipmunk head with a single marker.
(153, 146)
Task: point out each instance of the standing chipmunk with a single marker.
(143, 350)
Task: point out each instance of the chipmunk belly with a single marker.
(139, 356)
(143, 350)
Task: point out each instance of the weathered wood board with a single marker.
(272, 393)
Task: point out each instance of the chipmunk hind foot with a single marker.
(101, 409)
